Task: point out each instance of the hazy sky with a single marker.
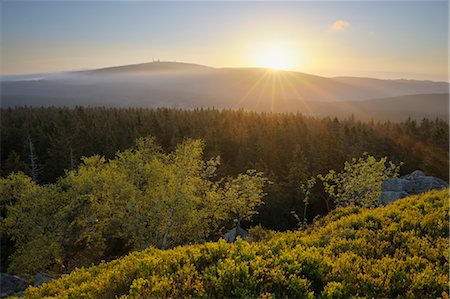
(378, 39)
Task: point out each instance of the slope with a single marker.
(394, 251)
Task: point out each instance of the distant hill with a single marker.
(149, 67)
(395, 87)
(395, 251)
(397, 108)
(184, 85)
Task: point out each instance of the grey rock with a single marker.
(41, 278)
(396, 185)
(415, 183)
(387, 197)
(416, 173)
(232, 235)
(11, 285)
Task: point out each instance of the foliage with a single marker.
(259, 234)
(143, 197)
(400, 250)
(360, 181)
(13, 189)
(244, 194)
(289, 148)
(36, 225)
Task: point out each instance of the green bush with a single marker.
(395, 251)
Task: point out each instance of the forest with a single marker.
(97, 167)
(288, 148)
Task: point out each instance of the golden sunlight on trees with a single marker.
(360, 181)
(244, 194)
(143, 197)
(352, 252)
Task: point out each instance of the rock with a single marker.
(424, 184)
(12, 285)
(397, 185)
(41, 278)
(387, 197)
(232, 235)
(415, 183)
(416, 173)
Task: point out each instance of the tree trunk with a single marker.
(166, 233)
(33, 161)
(72, 162)
(327, 203)
(172, 209)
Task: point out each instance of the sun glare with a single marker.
(276, 56)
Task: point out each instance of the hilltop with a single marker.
(149, 67)
(395, 251)
(185, 85)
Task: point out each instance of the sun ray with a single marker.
(263, 91)
(299, 96)
(251, 89)
(348, 105)
(272, 98)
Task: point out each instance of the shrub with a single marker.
(367, 254)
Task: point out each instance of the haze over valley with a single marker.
(184, 85)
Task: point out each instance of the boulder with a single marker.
(397, 185)
(232, 235)
(415, 183)
(41, 278)
(387, 197)
(415, 174)
(12, 285)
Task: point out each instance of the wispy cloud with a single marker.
(340, 25)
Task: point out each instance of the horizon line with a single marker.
(230, 67)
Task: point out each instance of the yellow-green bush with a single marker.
(395, 251)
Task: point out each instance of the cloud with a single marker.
(340, 25)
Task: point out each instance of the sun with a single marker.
(276, 56)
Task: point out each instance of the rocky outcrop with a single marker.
(12, 285)
(232, 235)
(41, 278)
(411, 184)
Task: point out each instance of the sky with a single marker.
(382, 39)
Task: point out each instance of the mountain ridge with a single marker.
(172, 64)
(187, 86)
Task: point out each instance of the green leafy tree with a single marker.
(13, 189)
(95, 215)
(143, 197)
(35, 224)
(359, 183)
(176, 201)
(243, 195)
